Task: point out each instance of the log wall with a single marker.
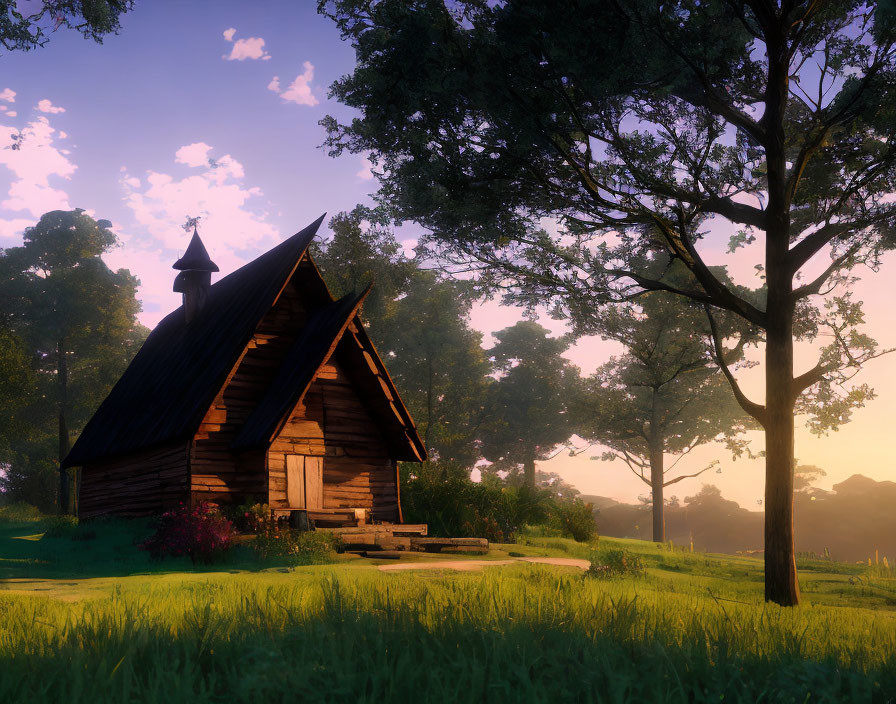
(140, 484)
(218, 474)
(332, 422)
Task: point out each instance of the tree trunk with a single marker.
(655, 444)
(62, 380)
(656, 492)
(781, 583)
(529, 471)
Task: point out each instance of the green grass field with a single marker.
(93, 620)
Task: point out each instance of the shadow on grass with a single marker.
(103, 548)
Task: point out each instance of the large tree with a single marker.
(528, 406)
(663, 396)
(76, 318)
(644, 126)
(28, 25)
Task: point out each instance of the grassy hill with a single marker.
(87, 618)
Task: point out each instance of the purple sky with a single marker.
(211, 109)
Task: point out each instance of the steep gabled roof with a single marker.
(307, 354)
(171, 382)
(173, 379)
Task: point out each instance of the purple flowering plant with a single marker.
(199, 531)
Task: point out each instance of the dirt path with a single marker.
(475, 565)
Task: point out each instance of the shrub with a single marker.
(252, 517)
(454, 506)
(19, 512)
(615, 562)
(574, 518)
(200, 532)
(60, 526)
(298, 547)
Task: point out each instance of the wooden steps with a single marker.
(384, 539)
(471, 546)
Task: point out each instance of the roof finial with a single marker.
(194, 280)
(196, 257)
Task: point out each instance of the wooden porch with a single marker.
(379, 539)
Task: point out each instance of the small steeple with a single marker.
(195, 277)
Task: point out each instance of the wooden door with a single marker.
(295, 481)
(304, 482)
(314, 482)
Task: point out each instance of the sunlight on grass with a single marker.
(694, 629)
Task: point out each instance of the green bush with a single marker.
(19, 512)
(61, 527)
(574, 518)
(297, 547)
(615, 562)
(454, 506)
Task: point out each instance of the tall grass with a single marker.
(694, 629)
(524, 633)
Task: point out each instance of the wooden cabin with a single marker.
(260, 387)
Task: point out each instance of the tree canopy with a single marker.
(528, 406)
(663, 396)
(76, 320)
(27, 25)
(641, 127)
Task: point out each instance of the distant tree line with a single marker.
(851, 522)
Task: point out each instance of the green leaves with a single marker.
(528, 404)
(25, 26)
(69, 312)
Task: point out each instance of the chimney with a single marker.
(195, 277)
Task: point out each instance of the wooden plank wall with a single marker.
(332, 422)
(217, 474)
(140, 484)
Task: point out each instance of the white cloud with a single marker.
(234, 227)
(365, 173)
(195, 154)
(47, 106)
(299, 91)
(249, 48)
(12, 113)
(11, 230)
(3, 108)
(33, 163)
(8, 95)
(62, 135)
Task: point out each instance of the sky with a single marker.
(212, 110)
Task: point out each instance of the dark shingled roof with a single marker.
(312, 348)
(171, 382)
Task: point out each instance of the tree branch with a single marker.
(691, 476)
(754, 409)
(814, 287)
